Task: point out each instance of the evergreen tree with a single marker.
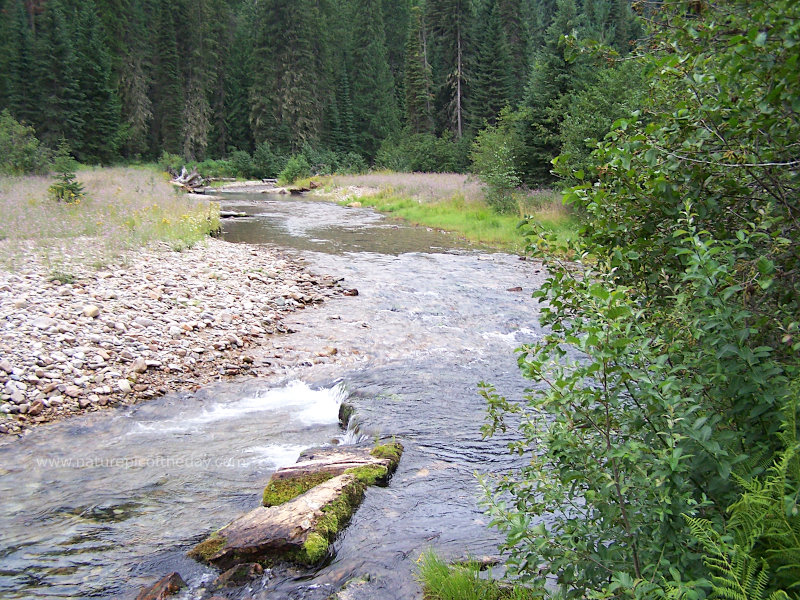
(238, 81)
(375, 112)
(450, 21)
(286, 107)
(16, 62)
(396, 20)
(101, 106)
(552, 78)
(510, 14)
(492, 80)
(54, 73)
(418, 77)
(166, 90)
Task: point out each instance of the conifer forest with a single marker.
(643, 158)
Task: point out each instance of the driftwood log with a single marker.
(191, 182)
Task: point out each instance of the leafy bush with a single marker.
(172, 163)
(267, 163)
(216, 168)
(494, 162)
(351, 163)
(20, 151)
(241, 164)
(296, 168)
(671, 352)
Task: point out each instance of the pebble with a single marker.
(157, 321)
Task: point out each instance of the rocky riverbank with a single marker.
(160, 321)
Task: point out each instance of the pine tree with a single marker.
(492, 80)
(17, 62)
(286, 107)
(238, 81)
(450, 22)
(396, 20)
(54, 73)
(166, 90)
(375, 111)
(418, 77)
(516, 38)
(551, 80)
(101, 106)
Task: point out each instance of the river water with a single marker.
(100, 505)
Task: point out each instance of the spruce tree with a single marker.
(238, 81)
(450, 22)
(492, 72)
(17, 63)
(101, 106)
(286, 108)
(552, 79)
(166, 90)
(56, 93)
(516, 38)
(374, 107)
(418, 77)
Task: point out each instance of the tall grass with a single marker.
(456, 202)
(123, 208)
(441, 581)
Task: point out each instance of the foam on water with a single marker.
(302, 403)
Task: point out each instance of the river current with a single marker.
(100, 505)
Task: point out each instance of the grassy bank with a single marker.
(454, 203)
(441, 581)
(122, 208)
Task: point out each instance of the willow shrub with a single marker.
(664, 380)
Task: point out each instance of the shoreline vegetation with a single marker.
(452, 202)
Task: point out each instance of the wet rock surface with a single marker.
(161, 321)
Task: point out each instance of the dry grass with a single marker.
(426, 187)
(123, 208)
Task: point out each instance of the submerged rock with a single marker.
(168, 586)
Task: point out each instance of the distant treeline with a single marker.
(132, 79)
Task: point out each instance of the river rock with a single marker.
(36, 408)
(139, 365)
(239, 575)
(167, 586)
(6, 366)
(124, 386)
(91, 311)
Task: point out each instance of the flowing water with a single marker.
(100, 505)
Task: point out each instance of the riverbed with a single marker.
(102, 504)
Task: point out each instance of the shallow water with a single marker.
(432, 319)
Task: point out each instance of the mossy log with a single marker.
(298, 531)
(307, 504)
(373, 465)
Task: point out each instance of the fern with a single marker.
(762, 553)
(736, 575)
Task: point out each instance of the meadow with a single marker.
(122, 208)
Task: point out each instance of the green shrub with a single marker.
(267, 163)
(670, 354)
(171, 163)
(351, 163)
(295, 169)
(216, 168)
(241, 164)
(20, 151)
(423, 152)
(494, 162)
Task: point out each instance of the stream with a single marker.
(101, 505)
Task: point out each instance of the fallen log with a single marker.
(306, 505)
